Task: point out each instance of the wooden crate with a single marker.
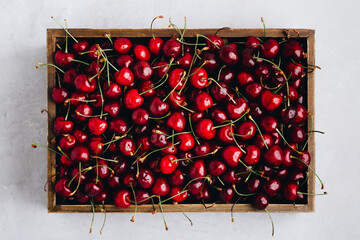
(55, 35)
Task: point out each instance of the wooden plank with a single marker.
(54, 35)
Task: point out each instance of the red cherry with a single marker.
(245, 78)
(231, 155)
(94, 68)
(82, 111)
(158, 108)
(98, 99)
(142, 70)
(305, 157)
(122, 199)
(272, 187)
(124, 61)
(80, 136)
(64, 60)
(132, 99)
(113, 108)
(176, 121)
(127, 146)
(247, 130)
(118, 125)
(62, 126)
(145, 178)
(290, 191)
(140, 116)
(141, 53)
(216, 168)
(177, 194)
(168, 164)
(186, 140)
(70, 76)
(296, 70)
(261, 201)
(302, 114)
(227, 194)
(227, 76)
(198, 77)
(161, 187)
(155, 45)
(218, 115)
(203, 101)
(59, 95)
(224, 135)
(83, 83)
(197, 169)
(96, 146)
(122, 45)
(252, 155)
(204, 129)
(253, 43)
(142, 197)
(102, 170)
(177, 178)
(253, 90)
(259, 141)
(172, 48)
(93, 52)
(292, 49)
(235, 111)
(297, 134)
(196, 187)
(124, 76)
(112, 90)
(129, 180)
(214, 42)
(268, 124)
(210, 60)
(80, 153)
(97, 126)
(62, 189)
(161, 69)
(274, 156)
(80, 46)
(270, 48)
(185, 61)
(67, 142)
(270, 101)
(176, 75)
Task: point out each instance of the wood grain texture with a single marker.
(54, 35)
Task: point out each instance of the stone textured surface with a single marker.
(23, 94)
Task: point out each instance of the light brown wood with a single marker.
(54, 35)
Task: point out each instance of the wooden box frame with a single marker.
(54, 35)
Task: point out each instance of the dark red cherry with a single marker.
(292, 49)
(253, 184)
(202, 149)
(122, 199)
(124, 76)
(94, 68)
(118, 125)
(274, 156)
(102, 169)
(227, 75)
(95, 145)
(252, 155)
(129, 180)
(296, 70)
(145, 178)
(288, 115)
(268, 124)
(177, 178)
(214, 42)
(198, 78)
(197, 169)
(168, 164)
(80, 136)
(141, 53)
(260, 141)
(85, 84)
(82, 112)
(231, 155)
(227, 194)
(177, 78)
(218, 115)
(102, 197)
(219, 91)
(216, 168)
(253, 90)
(246, 58)
(237, 109)
(158, 108)
(94, 96)
(270, 48)
(155, 45)
(196, 187)
(228, 55)
(261, 201)
(97, 126)
(127, 146)
(113, 108)
(112, 90)
(140, 116)
(211, 61)
(185, 61)
(62, 126)
(161, 187)
(80, 46)
(114, 182)
(204, 129)
(64, 60)
(270, 101)
(81, 197)
(244, 78)
(122, 45)
(161, 69)
(304, 157)
(80, 153)
(62, 188)
(272, 187)
(289, 191)
(93, 187)
(142, 197)
(94, 52)
(59, 95)
(256, 110)
(142, 70)
(132, 99)
(177, 194)
(302, 114)
(158, 139)
(172, 48)
(246, 130)
(297, 134)
(176, 121)
(124, 61)
(70, 76)
(253, 43)
(203, 101)
(120, 167)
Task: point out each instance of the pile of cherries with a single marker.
(199, 119)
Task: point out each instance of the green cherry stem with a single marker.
(257, 127)
(151, 26)
(272, 223)
(93, 215)
(242, 194)
(65, 29)
(192, 130)
(286, 142)
(135, 211)
(200, 35)
(322, 184)
(103, 209)
(162, 213)
(40, 64)
(213, 80)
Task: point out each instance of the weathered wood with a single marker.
(54, 35)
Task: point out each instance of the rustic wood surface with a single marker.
(54, 35)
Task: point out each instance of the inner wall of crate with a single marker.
(60, 110)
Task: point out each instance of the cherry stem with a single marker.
(62, 152)
(78, 185)
(39, 64)
(151, 28)
(103, 208)
(322, 184)
(172, 90)
(200, 35)
(200, 156)
(272, 223)
(191, 44)
(105, 57)
(237, 144)
(79, 61)
(222, 183)
(277, 66)
(192, 130)
(165, 80)
(93, 51)
(286, 142)
(312, 128)
(213, 80)
(106, 159)
(93, 215)
(156, 150)
(159, 66)
(79, 100)
(162, 213)
(191, 223)
(232, 122)
(104, 114)
(202, 64)
(135, 211)
(102, 100)
(65, 29)
(184, 191)
(257, 127)
(263, 22)
(232, 209)
(197, 178)
(137, 150)
(183, 107)
(242, 194)
(175, 134)
(252, 171)
(34, 145)
(66, 36)
(313, 194)
(108, 36)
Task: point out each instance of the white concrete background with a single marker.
(23, 213)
